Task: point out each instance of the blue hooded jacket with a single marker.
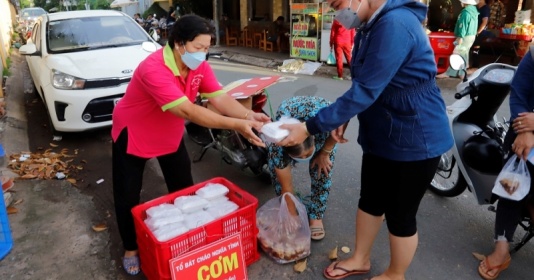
(394, 93)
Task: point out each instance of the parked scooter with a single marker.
(234, 148)
(477, 157)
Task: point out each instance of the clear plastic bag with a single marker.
(331, 58)
(514, 180)
(282, 235)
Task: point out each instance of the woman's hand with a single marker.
(297, 134)
(244, 127)
(523, 123)
(523, 144)
(323, 163)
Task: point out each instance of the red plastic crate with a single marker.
(155, 255)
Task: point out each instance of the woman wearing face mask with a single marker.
(318, 151)
(149, 120)
(403, 127)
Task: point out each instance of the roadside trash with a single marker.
(333, 254)
(8, 198)
(298, 66)
(100, 181)
(43, 165)
(57, 138)
(60, 175)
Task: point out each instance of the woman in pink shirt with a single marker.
(149, 121)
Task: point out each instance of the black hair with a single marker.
(298, 149)
(280, 18)
(187, 28)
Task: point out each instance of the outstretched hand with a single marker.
(339, 133)
(297, 134)
(259, 117)
(244, 127)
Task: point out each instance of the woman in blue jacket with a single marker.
(403, 126)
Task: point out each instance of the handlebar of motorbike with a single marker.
(464, 92)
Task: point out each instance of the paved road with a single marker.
(450, 229)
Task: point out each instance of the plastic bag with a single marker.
(331, 58)
(283, 236)
(514, 180)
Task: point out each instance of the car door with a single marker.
(35, 61)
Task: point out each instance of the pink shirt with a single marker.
(157, 86)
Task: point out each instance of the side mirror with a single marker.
(28, 49)
(457, 62)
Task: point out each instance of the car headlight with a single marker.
(61, 80)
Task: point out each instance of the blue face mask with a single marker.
(304, 160)
(193, 60)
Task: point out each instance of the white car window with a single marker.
(80, 34)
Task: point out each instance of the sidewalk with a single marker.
(260, 58)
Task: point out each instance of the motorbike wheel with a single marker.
(448, 180)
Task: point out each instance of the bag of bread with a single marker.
(514, 180)
(283, 231)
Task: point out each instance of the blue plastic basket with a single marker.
(6, 242)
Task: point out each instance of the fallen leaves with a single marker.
(12, 210)
(45, 164)
(333, 254)
(100, 227)
(478, 256)
(300, 265)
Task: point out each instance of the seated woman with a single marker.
(509, 212)
(319, 150)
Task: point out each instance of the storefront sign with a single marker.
(305, 48)
(220, 260)
(304, 8)
(300, 28)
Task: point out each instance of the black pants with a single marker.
(128, 179)
(475, 49)
(395, 188)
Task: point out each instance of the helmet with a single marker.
(483, 154)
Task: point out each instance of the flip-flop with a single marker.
(346, 274)
(317, 233)
(131, 265)
(484, 273)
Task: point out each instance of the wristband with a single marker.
(246, 115)
(327, 151)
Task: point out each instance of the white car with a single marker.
(81, 63)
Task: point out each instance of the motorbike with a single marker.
(478, 153)
(233, 147)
